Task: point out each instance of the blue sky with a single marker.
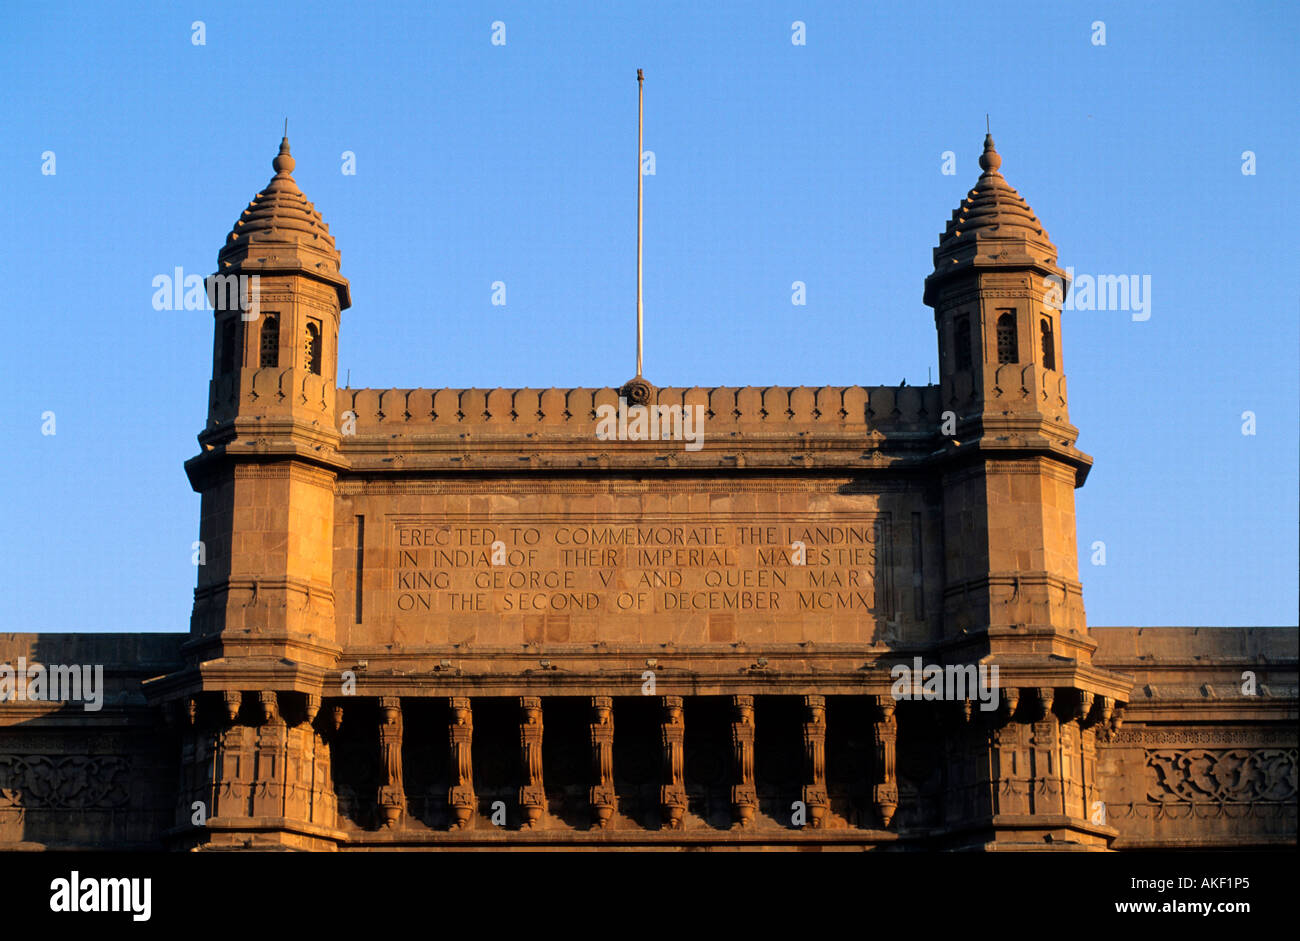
(775, 162)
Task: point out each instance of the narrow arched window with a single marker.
(1049, 343)
(313, 348)
(963, 343)
(1007, 337)
(228, 340)
(270, 341)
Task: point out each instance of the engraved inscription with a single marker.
(552, 567)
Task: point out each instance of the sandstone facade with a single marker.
(649, 617)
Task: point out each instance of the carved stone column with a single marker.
(1008, 782)
(324, 804)
(460, 797)
(181, 719)
(532, 794)
(672, 793)
(814, 752)
(300, 759)
(885, 791)
(1093, 810)
(744, 796)
(602, 760)
(1044, 757)
(1069, 766)
(231, 788)
(269, 771)
(392, 795)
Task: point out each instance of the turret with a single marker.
(275, 349)
(1010, 462)
(271, 444)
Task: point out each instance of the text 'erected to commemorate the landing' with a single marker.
(636, 567)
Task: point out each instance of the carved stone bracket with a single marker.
(1084, 709)
(1110, 721)
(814, 749)
(1010, 696)
(532, 794)
(885, 791)
(744, 796)
(602, 795)
(672, 793)
(231, 700)
(460, 797)
(392, 795)
(1046, 695)
(268, 706)
(1107, 705)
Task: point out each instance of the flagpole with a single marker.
(640, 123)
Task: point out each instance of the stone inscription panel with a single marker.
(579, 579)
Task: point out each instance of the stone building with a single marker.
(641, 617)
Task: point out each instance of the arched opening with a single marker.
(313, 348)
(1049, 343)
(229, 337)
(963, 343)
(270, 341)
(1007, 337)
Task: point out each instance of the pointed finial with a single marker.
(283, 163)
(989, 160)
(987, 129)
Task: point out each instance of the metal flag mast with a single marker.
(640, 124)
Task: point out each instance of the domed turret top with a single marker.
(992, 208)
(281, 232)
(993, 228)
(281, 213)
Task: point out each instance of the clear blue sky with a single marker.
(775, 163)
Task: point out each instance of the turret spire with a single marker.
(989, 160)
(283, 163)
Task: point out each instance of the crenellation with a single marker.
(782, 409)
